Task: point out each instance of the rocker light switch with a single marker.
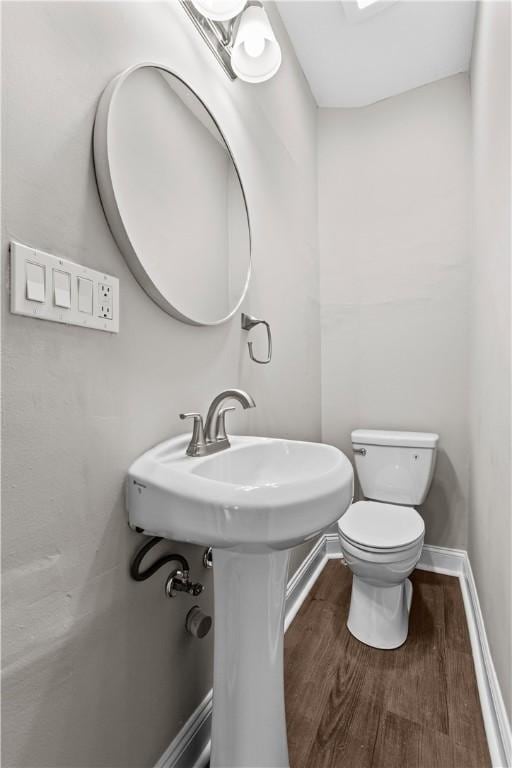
(62, 288)
(35, 282)
(85, 295)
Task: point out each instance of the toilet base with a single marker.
(379, 615)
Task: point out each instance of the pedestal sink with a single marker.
(251, 503)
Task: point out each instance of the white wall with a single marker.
(98, 670)
(393, 232)
(490, 531)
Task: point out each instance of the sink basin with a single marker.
(262, 493)
(251, 502)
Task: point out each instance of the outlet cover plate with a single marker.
(47, 309)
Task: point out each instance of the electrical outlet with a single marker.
(105, 301)
(105, 310)
(104, 291)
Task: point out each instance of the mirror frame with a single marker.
(102, 140)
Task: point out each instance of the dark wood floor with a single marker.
(351, 706)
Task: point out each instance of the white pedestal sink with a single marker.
(251, 503)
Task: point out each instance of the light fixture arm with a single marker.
(224, 30)
(228, 40)
(214, 34)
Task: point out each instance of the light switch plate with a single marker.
(47, 309)
(35, 276)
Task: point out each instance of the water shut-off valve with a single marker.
(197, 623)
(179, 581)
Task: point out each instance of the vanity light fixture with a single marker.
(240, 36)
(256, 54)
(219, 10)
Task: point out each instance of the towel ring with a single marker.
(249, 322)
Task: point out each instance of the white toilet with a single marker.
(382, 537)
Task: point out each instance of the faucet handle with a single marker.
(197, 445)
(196, 416)
(220, 427)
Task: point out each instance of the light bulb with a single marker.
(256, 55)
(219, 10)
(254, 46)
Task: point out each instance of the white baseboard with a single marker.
(303, 579)
(497, 724)
(191, 747)
(442, 560)
(332, 544)
(455, 562)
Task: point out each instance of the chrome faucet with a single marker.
(212, 437)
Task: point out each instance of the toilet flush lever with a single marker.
(361, 451)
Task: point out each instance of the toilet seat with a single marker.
(374, 526)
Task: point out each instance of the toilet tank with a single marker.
(396, 467)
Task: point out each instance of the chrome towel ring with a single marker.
(248, 322)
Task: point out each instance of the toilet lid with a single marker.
(381, 526)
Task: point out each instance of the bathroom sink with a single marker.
(251, 503)
(261, 493)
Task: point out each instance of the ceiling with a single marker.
(354, 57)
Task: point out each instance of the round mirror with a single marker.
(172, 195)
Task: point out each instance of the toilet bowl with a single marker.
(382, 541)
(381, 590)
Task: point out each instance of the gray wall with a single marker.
(490, 532)
(98, 670)
(394, 266)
